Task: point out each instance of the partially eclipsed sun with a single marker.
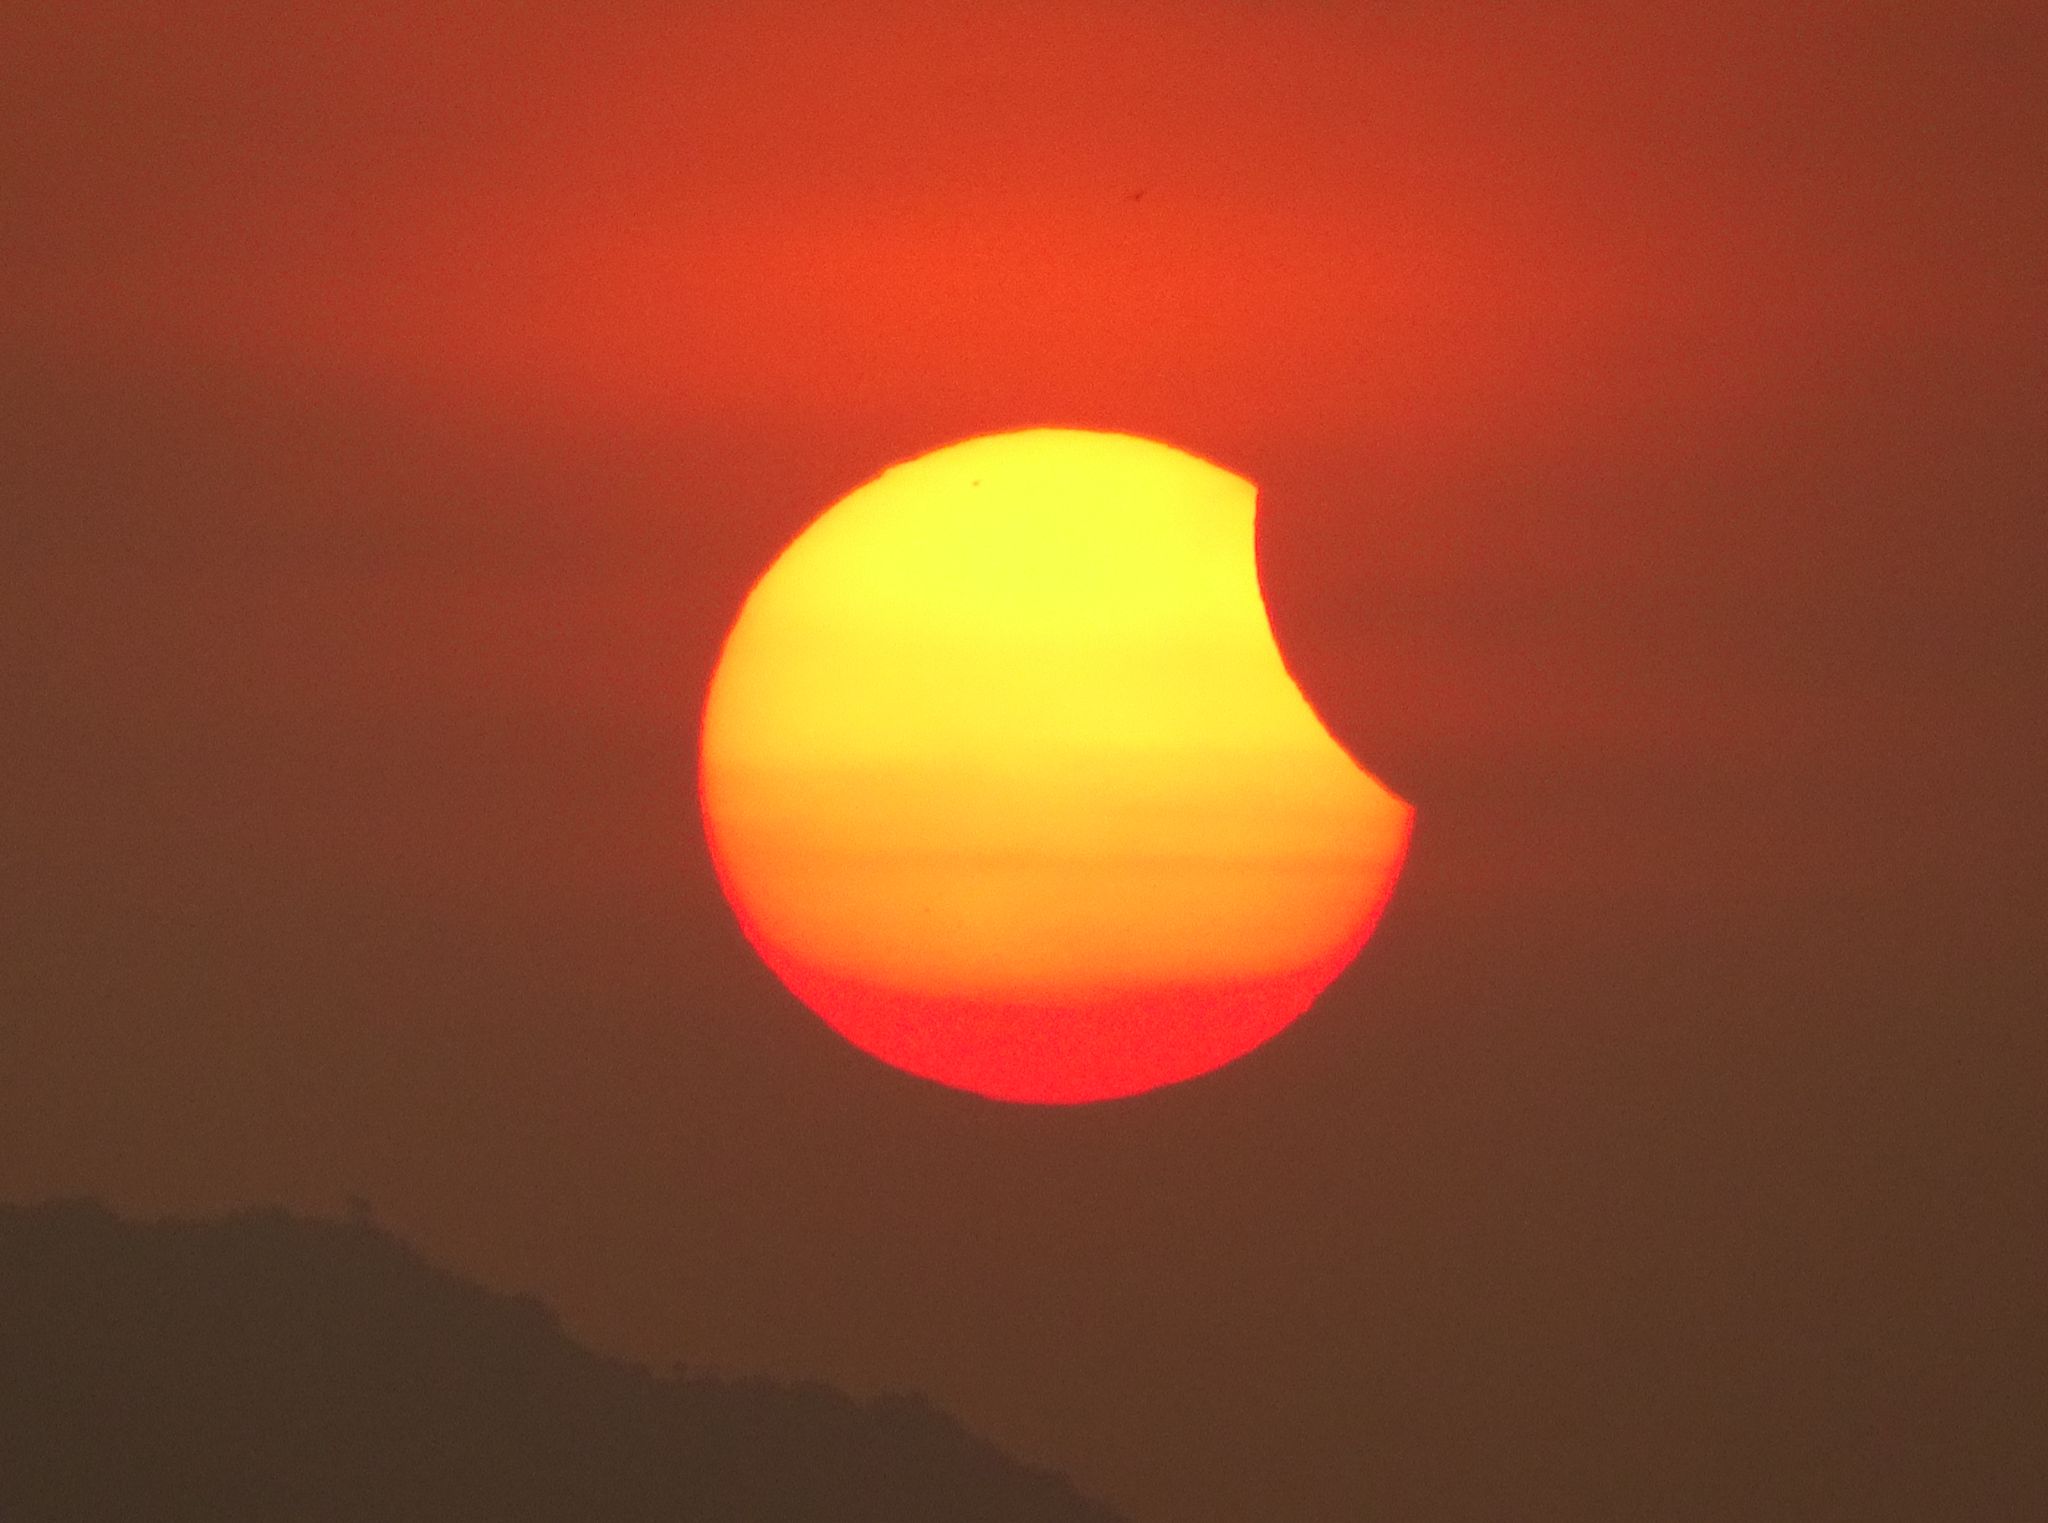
(1005, 779)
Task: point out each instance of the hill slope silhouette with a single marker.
(266, 1366)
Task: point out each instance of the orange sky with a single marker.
(1392, 263)
(1445, 218)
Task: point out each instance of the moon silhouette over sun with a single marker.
(1005, 779)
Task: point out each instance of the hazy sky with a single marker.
(1648, 410)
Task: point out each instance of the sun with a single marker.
(1005, 779)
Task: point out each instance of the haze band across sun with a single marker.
(1004, 777)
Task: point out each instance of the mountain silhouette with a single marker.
(296, 1370)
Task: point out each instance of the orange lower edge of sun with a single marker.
(1005, 779)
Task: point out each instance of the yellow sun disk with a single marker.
(1008, 722)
